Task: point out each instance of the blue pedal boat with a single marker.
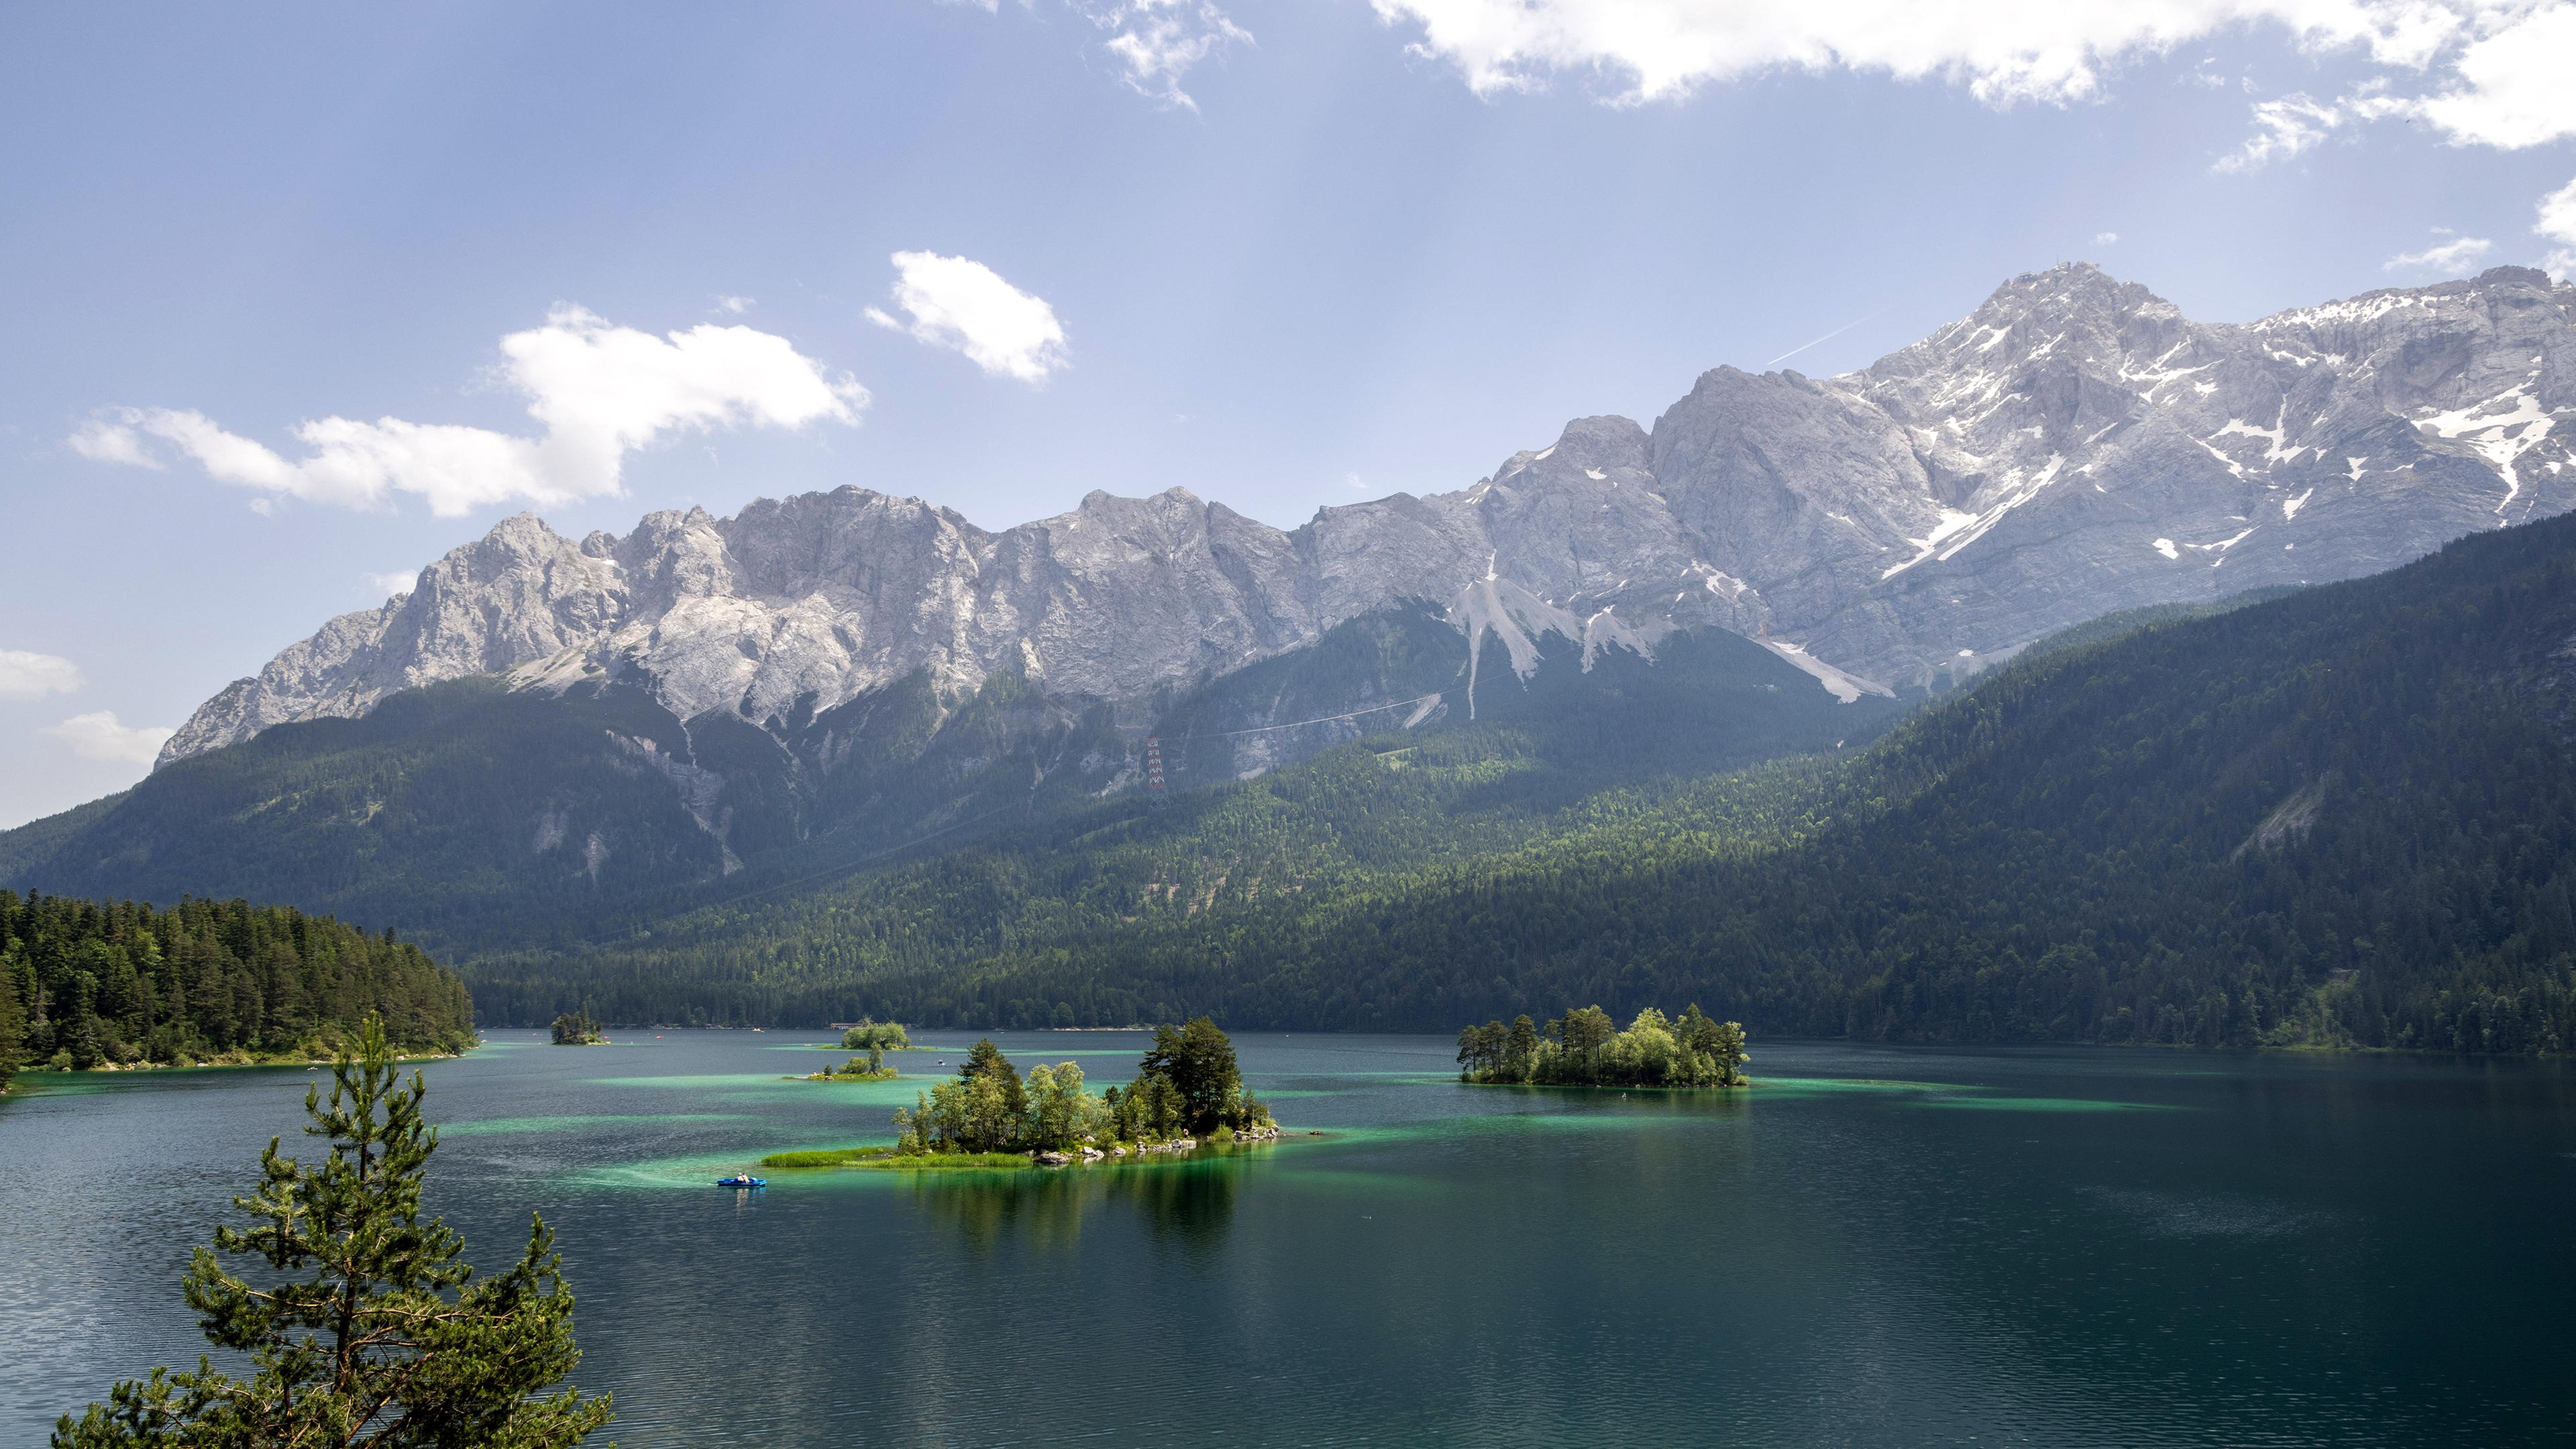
(742, 1179)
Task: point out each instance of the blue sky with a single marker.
(1285, 253)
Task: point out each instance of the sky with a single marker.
(300, 296)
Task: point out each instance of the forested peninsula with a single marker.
(121, 984)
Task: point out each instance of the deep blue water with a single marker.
(1873, 1247)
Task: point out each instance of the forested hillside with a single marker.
(2342, 816)
(84, 983)
(473, 816)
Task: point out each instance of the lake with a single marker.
(1874, 1246)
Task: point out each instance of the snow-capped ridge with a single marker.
(2043, 460)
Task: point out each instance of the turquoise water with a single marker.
(1873, 1247)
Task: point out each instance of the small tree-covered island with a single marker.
(1188, 1093)
(876, 1038)
(1585, 1048)
(575, 1028)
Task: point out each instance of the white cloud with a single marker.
(2503, 82)
(735, 305)
(1154, 43)
(25, 674)
(967, 307)
(391, 584)
(2478, 72)
(2454, 258)
(2558, 223)
(2004, 51)
(1157, 42)
(2514, 88)
(600, 391)
(99, 737)
(2282, 129)
(106, 442)
(2106, 238)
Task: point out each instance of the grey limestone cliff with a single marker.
(2073, 447)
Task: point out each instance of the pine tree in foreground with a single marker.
(362, 1342)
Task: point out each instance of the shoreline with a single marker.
(1722, 1087)
(883, 1158)
(113, 1069)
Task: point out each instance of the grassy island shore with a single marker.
(876, 1038)
(1188, 1093)
(852, 1070)
(893, 1157)
(187, 1063)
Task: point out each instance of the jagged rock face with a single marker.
(2075, 446)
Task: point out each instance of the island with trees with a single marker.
(116, 985)
(1188, 1093)
(575, 1028)
(876, 1038)
(1585, 1048)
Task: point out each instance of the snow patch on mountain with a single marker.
(1876, 517)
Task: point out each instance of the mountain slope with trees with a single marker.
(2344, 816)
(470, 815)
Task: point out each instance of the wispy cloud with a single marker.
(2454, 258)
(99, 737)
(2498, 77)
(2005, 52)
(965, 306)
(598, 391)
(2475, 72)
(1158, 42)
(25, 674)
(391, 584)
(2106, 238)
(1154, 44)
(2283, 128)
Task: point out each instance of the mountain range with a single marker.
(547, 739)
(2073, 447)
(2336, 816)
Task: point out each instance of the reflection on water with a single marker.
(2112, 1248)
(1185, 1205)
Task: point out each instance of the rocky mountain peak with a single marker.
(2073, 446)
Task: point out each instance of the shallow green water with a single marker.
(1875, 1247)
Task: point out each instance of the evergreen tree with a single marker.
(1520, 1046)
(125, 982)
(13, 1024)
(378, 1334)
(985, 1063)
(1198, 1061)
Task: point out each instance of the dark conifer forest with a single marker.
(2340, 817)
(86, 984)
